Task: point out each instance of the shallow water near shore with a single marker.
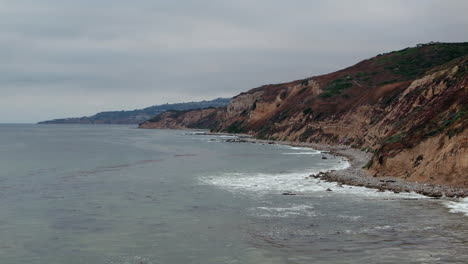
(116, 194)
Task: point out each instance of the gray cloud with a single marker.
(76, 57)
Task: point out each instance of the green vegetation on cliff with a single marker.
(412, 62)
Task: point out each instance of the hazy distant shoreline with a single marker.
(126, 117)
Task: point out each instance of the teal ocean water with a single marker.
(116, 194)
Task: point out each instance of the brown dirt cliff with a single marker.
(408, 107)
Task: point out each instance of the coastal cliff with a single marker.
(408, 107)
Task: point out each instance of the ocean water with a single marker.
(116, 194)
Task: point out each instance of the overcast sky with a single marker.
(62, 58)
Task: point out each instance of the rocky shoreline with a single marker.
(355, 175)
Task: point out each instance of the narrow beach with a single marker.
(355, 175)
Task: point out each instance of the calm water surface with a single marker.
(116, 194)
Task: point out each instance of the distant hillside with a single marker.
(408, 107)
(139, 115)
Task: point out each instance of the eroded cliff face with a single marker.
(438, 160)
(408, 107)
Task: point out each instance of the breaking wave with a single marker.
(460, 206)
(296, 210)
(295, 183)
(302, 153)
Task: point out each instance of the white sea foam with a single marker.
(296, 210)
(302, 153)
(262, 183)
(297, 148)
(460, 206)
(349, 217)
(227, 136)
(129, 260)
(302, 150)
(259, 184)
